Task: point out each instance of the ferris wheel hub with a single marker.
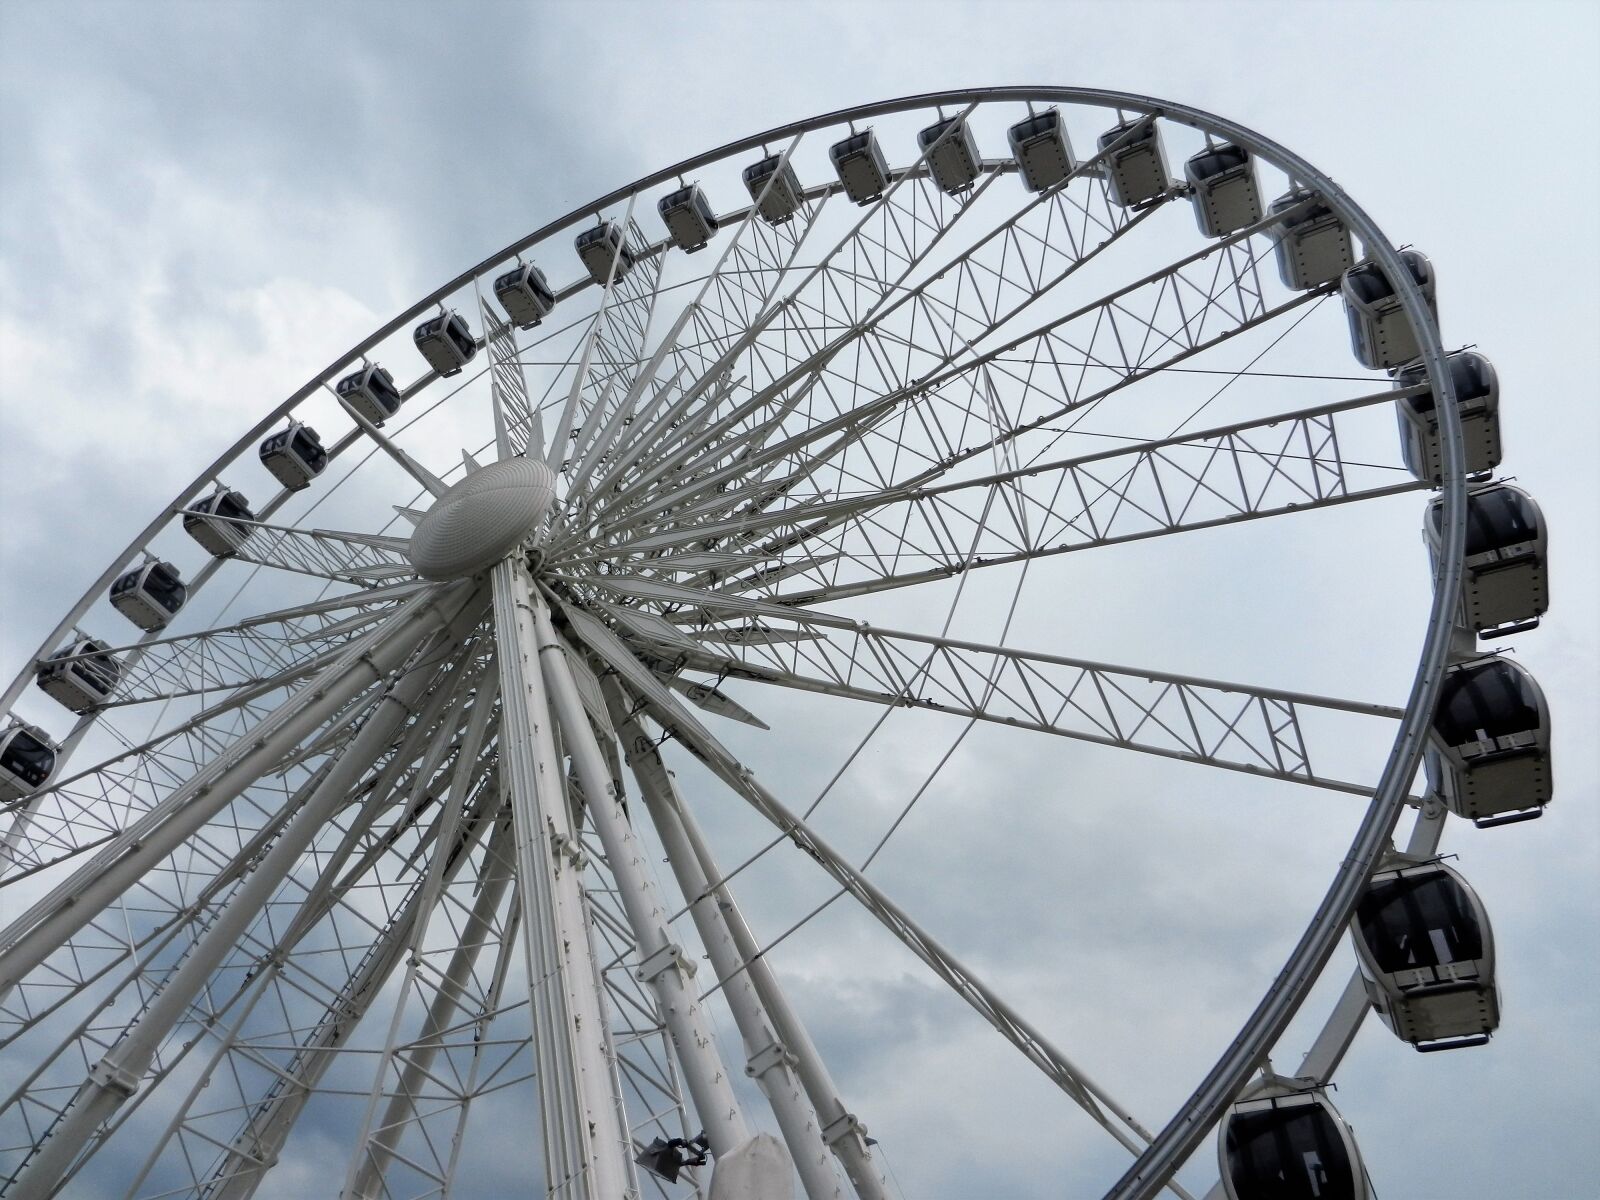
(483, 518)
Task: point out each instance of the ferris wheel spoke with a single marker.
(729, 313)
(1073, 362)
(1035, 1047)
(131, 1057)
(1285, 464)
(167, 824)
(188, 889)
(89, 808)
(1231, 725)
(273, 1059)
(364, 559)
(285, 1058)
(946, 314)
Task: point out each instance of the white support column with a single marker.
(759, 1004)
(587, 1152)
(661, 963)
(116, 1077)
(782, 1058)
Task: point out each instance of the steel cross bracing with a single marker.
(838, 306)
(303, 974)
(700, 524)
(899, 537)
(121, 1073)
(142, 818)
(79, 810)
(232, 909)
(1231, 725)
(366, 559)
(885, 414)
(664, 709)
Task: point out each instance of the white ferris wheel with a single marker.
(396, 808)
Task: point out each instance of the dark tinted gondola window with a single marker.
(1369, 284)
(1288, 1154)
(1216, 161)
(1494, 698)
(164, 586)
(1034, 126)
(1495, 519)
(28, 757)
(1420, 920)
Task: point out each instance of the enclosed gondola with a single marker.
(1313, 245)
(372, 392)
(689, 218)
(1503, 588)
(295, 456)
(1137, 169)
(446, 342)
(1491, 742)
(27, 760)
(525, 295)
(81, 675)
(1286, 1141)
(601, 245)
(1226, 195)
(1381, 335)
(862, 168)
(780, 201)
(952, 154)
(1427, 955)
(1043, 151)
(1477, 391)
(215, 522)
(149, 595)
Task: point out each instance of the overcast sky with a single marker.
(201, 204)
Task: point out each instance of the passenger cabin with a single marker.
(1313, 245)
(371, 391)
(295, 456)
(1043, 151)
(1477, 401)
(1284, 1142)
(780, 201)
(1137, 169)
(81, 675)
(1503, 588)
(1226, 195)
(1381, 335)
(953, 161)
(446, 342)
(27, 759)
(149, 595)
(1427, 955)
(215, 522)
(1491, 742)
(525, 295)
(688, 217)
(863, 171)
(601, 245)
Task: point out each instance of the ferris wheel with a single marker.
(379, 785)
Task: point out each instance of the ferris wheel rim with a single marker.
(1176, 1142)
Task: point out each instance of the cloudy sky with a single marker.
(200, 205)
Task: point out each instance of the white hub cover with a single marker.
(481, 519)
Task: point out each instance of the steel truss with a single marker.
(385, 857)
